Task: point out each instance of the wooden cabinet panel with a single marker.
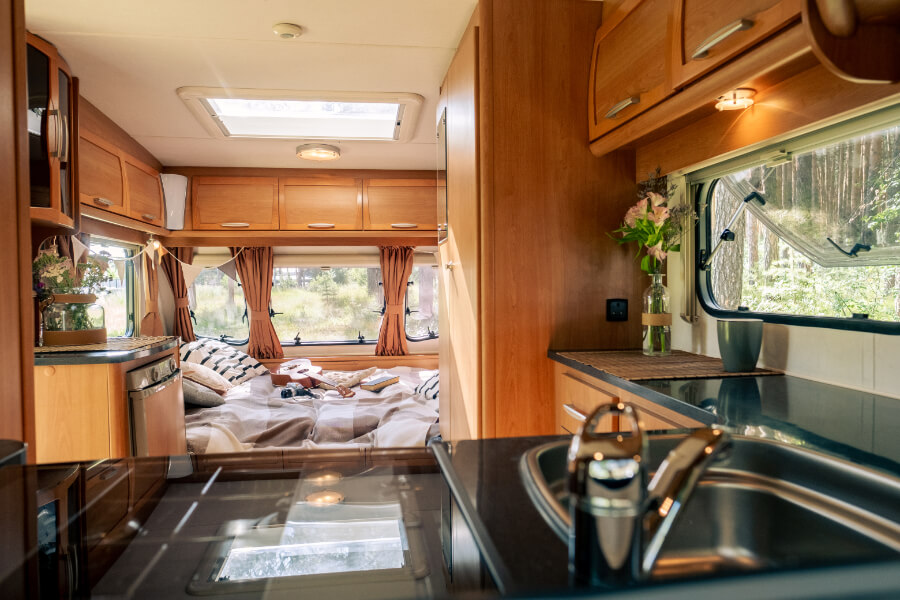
(100, 174)
(629, 68)
(710, 32)
(71, 413)
(392, 204)
(234, 203)
(145, 474)
(145, 199)
(577, 397)
(106, 496)
(320, 203)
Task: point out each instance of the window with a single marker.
(119, 300)
(218, 307)
(817, 236)
(422, 304)
(250, 113)
(323, 304)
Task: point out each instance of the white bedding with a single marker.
(256, 416)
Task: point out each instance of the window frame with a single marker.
(219, 338)
(131, 283)
(407, 312)
(702, 183)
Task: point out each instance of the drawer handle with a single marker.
(575, 413)
(109, 474)
(619, 107)
(103, 201)
(321, 225)
(235, 224)
(720, 36)
(404, 225)
(149, 217)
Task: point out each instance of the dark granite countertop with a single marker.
(94, 357)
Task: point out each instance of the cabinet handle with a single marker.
(234, 224)
(404, 225)
(109, 474)
(574, 412)
(321, 225)
(450, 264)
(63, 153)
(620, 106)
(149, 217)
(720, 36)
(52, 113)
(103, 201)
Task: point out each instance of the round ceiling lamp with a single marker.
(287, 31)
(318, 152)
(738, 99)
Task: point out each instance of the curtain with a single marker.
(254, 268)
(182, 319)
(151, 324)
(396, 267)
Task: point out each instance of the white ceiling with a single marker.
(131, 56)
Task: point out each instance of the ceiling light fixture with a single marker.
(318, 152)
(287, 31)
(738, 99)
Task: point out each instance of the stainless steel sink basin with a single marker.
(765, 505)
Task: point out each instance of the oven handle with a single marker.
(156, 388)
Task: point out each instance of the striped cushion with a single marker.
(226, 360)
(430, 387)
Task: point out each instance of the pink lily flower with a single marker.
(657, 252)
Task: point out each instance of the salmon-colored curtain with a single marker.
(182, 320)
(151, 324)
(396, 267)
(254, 268)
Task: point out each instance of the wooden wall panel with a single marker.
(549, 264)
(16, 307)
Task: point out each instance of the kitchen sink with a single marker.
(765, 505)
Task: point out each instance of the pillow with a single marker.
(199, 395)
(226, 360)
(430, 387)
(205, 376)
(345, 378)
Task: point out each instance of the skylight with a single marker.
(303, 115)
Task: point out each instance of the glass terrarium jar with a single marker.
(73, 319)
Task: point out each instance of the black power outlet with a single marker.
(616, 309)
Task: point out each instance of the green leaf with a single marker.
(645, 264)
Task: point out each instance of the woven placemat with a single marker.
(132, 343)
(634, 366)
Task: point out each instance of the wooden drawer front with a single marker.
(401, 204)
(320, 204)
(574, 396)
(106, 497)
(654, 417)
(711, 32)
(145, 474)
(100, 176)
(145, 201)
(629, 70)
(234, 203)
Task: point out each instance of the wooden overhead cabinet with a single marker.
(144, 192)
(711, 32)
(392, 204)
(316, 203)
(234, 203)
(101, 183)
(629, 68)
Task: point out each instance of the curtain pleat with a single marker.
(396, 267)
(152, 323)
(182, 319)
(254, 268)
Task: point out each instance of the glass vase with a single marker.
(656, 318)
(73, 319)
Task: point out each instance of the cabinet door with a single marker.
(577, 398)
(311, 203)
(392, 204)
(144, 192)
(106, 500)
(234, 203)
(100, 179)
(629, 68)
(711, 32)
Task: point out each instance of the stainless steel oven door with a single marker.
(157, 418)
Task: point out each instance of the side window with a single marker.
(817, 235)
(327, 304)
(119, 300)
(218, 308)
(422, 304)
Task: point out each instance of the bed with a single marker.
(255, 415)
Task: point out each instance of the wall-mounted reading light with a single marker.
(318, 152)
(738, 99)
